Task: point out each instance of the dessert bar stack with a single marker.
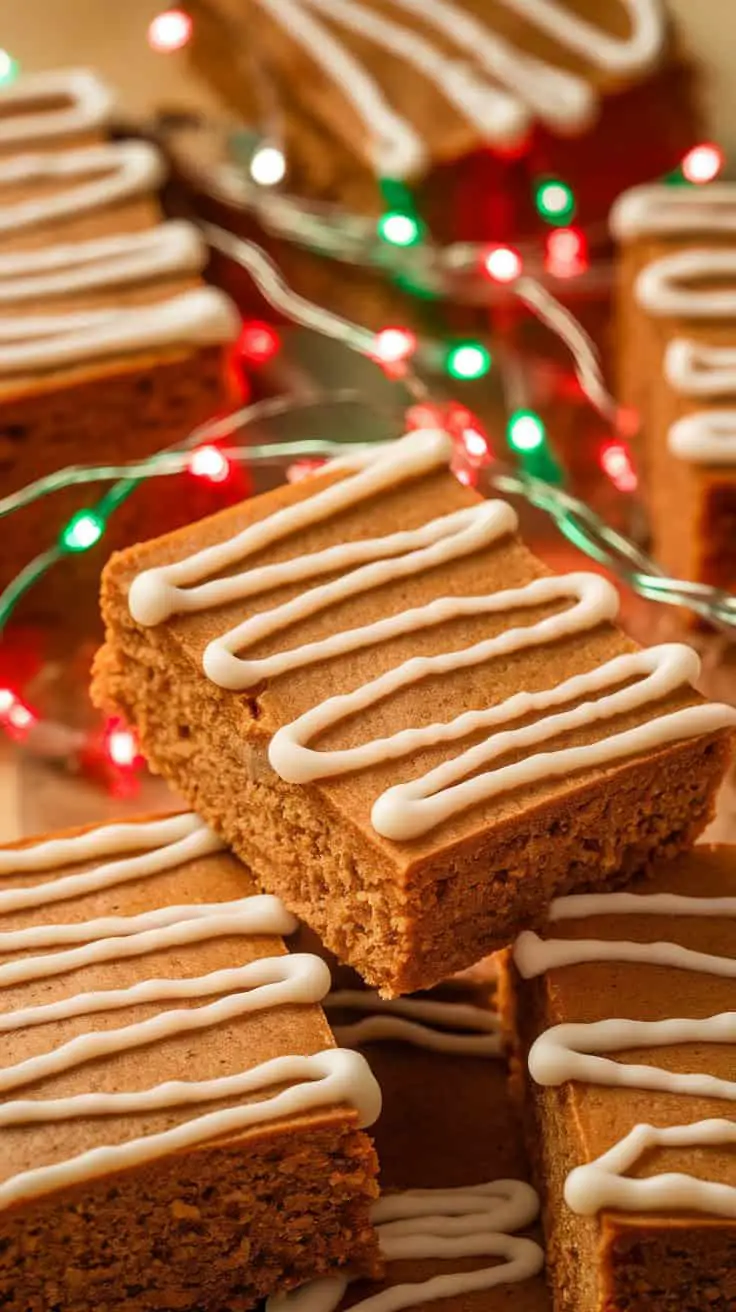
(429, 747)
(677, 353)
(109, 340)
(426, 746)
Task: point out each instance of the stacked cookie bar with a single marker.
(110, 344)
(677, 352)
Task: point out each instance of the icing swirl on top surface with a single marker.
(449, 1027)
(472, 1221)
(665, 289)
(578, 1052)
(655, 209)
(327, 1078)
(198, 315)
(492, 82)
(101, 176)
(410, 809)
(662, 287)
(201, 316)
(67, 268)
(30, 111)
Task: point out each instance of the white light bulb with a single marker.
(267, 166)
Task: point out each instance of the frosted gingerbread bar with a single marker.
(178, 1129)
(372, 92)
(414, 733)
(442, 107)
(456, 1220)
(109, 341)
(677, 354)
(626, 1033)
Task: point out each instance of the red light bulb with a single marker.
(209, 463)
(393, 345)
(616, 463)
(122, 748)
(566, 253)
(258, 342)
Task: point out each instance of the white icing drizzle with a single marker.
(451, 1027)
(600, 1183)
(473, 1221)
(706, 437)
(693, 368)
(520, 85)
(634, 53)
(104, 175)
(659, 287)
(463, 85)
(324, 1079)
(410, 809)
(398, 151)
(577, 905)
(201, 316)
(160, 845)
(655, 209)
(572, 1052)
(166, 250)
(30, 110)
(557, 97)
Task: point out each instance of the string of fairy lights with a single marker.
(202, 455)
(399, 247)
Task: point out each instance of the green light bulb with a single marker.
(82, 532)
(555, 200)
(9, 68)
(526, 431)
(468, 360)
(399, 229)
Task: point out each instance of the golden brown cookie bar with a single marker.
(414, 733)
(110, 344)
(626, 1049)
(178, 1128)
(677, 357)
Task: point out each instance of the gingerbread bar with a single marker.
(468, 104)
(109, 342)
(178, 1129)
(453, 1170)
(406, 88)
(372, 689)
(624, 1011)
(677, 311)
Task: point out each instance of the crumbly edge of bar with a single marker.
(218, 1228)
(400, 935)
(606, 1261)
